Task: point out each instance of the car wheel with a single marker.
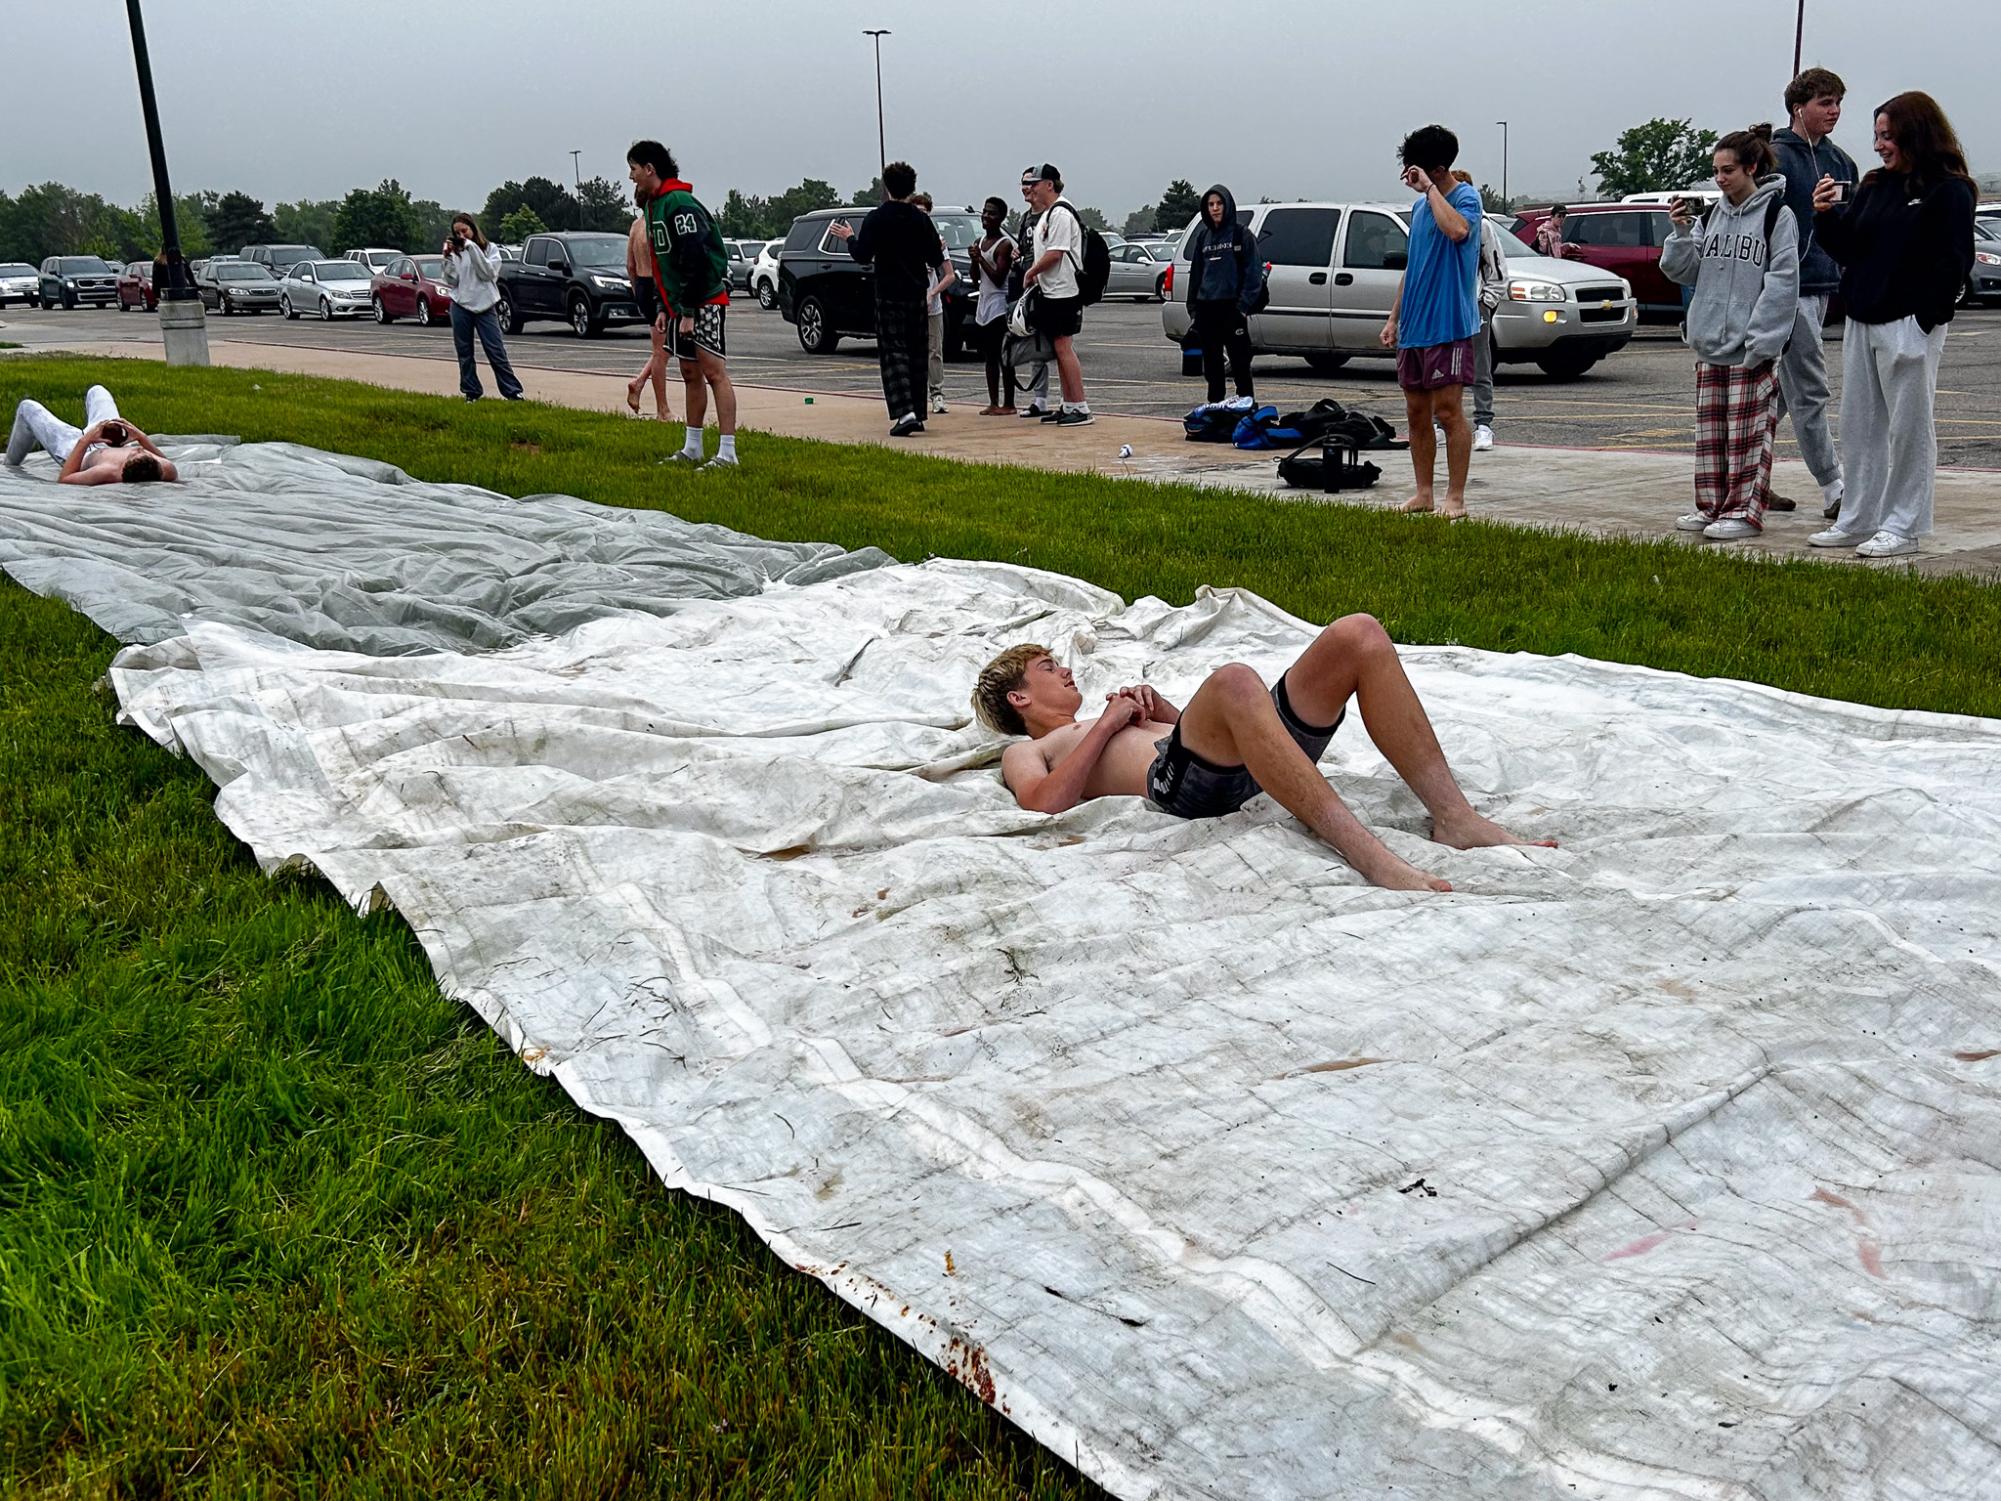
(816, 329)
(509, 319)
(581, 322)
(767, 296)
(1565, 366)
(1325, 364)
(285, 305)
(326, 311)
(1160, 288)
(1968, 297)
(425, 318)
(382, 314)
(69, 302)
(225, 307)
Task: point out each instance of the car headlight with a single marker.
(69, 281)
(1987, 258)
(1537, 291)
(610, 283)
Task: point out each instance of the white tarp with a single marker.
(1661, 1165)
(353, 554)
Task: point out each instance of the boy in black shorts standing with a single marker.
(691, 266)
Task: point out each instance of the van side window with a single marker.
(1299, 236)
(1374, 242)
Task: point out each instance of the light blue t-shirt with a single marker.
(1441, 299)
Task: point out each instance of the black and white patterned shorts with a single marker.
(708, 334)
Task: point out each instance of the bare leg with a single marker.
(1069, 372)
(696, 395)
(1448, 410)
(1423, 447)
(1355, 656)
(717, 374)
(1231, 721)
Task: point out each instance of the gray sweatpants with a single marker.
(1803, 391)
(1483, 372)
(1889, 377)
(934, 363)
(35, 426)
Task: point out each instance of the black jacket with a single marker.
(1905, 248)
(1223, 264)
(902, 243)
(1804, 166)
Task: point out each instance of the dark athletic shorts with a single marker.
(1058, 317)
(1436, 366)
(1182, 783)
(708, 334)
(649, 297)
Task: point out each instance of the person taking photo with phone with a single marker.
(472, 272)
(1742, 258)
(1905, 248)
(1813, 101)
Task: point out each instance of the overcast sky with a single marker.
(1288, 98)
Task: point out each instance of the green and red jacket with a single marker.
(690, 264)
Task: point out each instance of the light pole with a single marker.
(881, 146)
(183, 320)
(576, 170)
(1799, 36)
(1504, 162)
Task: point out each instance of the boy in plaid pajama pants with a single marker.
(1743, 260)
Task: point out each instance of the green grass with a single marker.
(277, 1218)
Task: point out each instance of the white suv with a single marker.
(1333, 269)
(764, 274)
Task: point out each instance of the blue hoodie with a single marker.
(1223, 264)
(1803, 166)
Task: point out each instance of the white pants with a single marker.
(1803, 391)
(1889, 376)
(35, 426)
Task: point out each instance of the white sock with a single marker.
(726, 448)
(693, 446)
(1831, 492)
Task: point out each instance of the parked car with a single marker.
(764, 274)
(332, 289)
(374, 257)
(741, 255)
(1333, 270)
(18, 283)
(409, 287)
(1623, 238)
(278, 259)
(66, 281)
(509, 252)
(1137, 272)
(577, 276)
(1702, 192)
(1983, 283)
(230, 286)
(828, 295)
(135, 288)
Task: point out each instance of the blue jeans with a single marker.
(488, 324)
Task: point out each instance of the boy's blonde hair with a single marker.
(997, 680)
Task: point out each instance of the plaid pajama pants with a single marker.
(903, 345)
(1736, 422)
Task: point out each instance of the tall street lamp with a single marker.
(1504, 161)
(576, 169)
(881, 148)
(183, 320)
(1799, 36)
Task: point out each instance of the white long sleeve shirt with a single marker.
(474, 277)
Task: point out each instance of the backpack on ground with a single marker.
(1335, 467)
(1213, 424)
(1094, 267)
(1254, 430)
(1293, 429)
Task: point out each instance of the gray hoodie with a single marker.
(1746, 289)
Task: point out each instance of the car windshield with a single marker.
(341, 270)
(141, 269)
(295, 253)
(1983, 229)
(599, 250)
(957, 230)
(1511, 247)
(16, 268)
(240, 271)
(83, 265)
(431, 266)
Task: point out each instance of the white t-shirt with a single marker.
(1060, 229)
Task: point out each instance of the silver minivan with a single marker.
(1333, 269)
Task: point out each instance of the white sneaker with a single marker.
(682, 456)
(720, 461)
(938, 405)
(1834, 536)
(1729, 529)
(1887, 545)
(1483, 439)
(1694, 521)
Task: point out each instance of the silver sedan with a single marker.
(1137, 273)
(332, 289)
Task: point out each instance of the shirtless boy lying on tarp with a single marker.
(111, 451)
(1235, 739)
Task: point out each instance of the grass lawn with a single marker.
(275, 1217)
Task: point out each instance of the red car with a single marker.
(408, 287)
(135, 288)
(1624, 238)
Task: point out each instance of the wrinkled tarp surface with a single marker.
(353, 554)
(1660, 1165)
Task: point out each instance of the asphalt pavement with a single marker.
(1639, 398)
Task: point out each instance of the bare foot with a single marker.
(1453, 510)
(632, 396)
(1472, 832)
(1384, 869)
(1417, 505)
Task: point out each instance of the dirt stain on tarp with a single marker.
(1335, 1066)
(1866, 1250)
(1978, 1057)
(967, 1363)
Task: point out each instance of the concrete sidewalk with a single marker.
(1613, 494)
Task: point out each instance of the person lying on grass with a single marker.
(111, 451)
(1235, 739)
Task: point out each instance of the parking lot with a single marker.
(1641, 397)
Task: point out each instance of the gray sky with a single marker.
(1290, 98)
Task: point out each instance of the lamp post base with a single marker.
(185, 327)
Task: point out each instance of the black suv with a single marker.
(69, 280)
(577, 276)
(829, 295)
